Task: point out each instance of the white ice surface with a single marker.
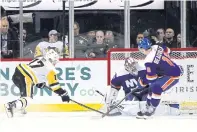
(90, 122)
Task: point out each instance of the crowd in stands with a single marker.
(93, 44)
(161, 37)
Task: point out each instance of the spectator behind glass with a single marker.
(100, 37)
(160, 35)
(24, 36)
(78, 38)
(151, 35)
(178, 39)
(76, 29)
(81, 42)
(109, 37)
(53, 36)
(139, 37)
(169, 38)
(110, 41)
(9, 40)
(91, 34)
(98, 52)
(53, 43)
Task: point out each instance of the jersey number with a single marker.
(36, 63)
(132, 83)
(166, 59)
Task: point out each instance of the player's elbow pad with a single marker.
(60, 91)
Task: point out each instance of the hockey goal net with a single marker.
(184, 93)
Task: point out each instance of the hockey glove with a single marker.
(63, 93)
(140, 92)
(40, 85)
(65, 97)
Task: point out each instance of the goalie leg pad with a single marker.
(112, 96)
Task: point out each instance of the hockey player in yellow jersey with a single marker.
(53, 43)
(40, 72)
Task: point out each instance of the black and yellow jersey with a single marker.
(40, 70)
(44, 46)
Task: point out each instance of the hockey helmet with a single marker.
(144, 44)
(131, 66)
(52, 56)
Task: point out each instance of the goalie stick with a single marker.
(85, 106)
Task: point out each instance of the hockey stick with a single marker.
(85, 106)
(99, 93)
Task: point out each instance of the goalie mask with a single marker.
(131, 66)
(52, 57)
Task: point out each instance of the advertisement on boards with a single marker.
(79, 79)
(82, 4)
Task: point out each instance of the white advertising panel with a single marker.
(82, 4)
(79, 78)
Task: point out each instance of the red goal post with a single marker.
(184, 91)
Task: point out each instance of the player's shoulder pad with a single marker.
(150, 57)
(141, 65)
(121, 72)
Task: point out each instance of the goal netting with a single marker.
(184, 93)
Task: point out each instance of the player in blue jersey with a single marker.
(129, 78)
(161, 72)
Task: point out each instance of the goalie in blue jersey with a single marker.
(130, 77)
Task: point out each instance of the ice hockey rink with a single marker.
(91, 122)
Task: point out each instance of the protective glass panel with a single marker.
(191, 28)
(95, 31)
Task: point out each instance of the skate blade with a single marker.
(9, 114)
(23, 111)
(144, 117)
(140, 117)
